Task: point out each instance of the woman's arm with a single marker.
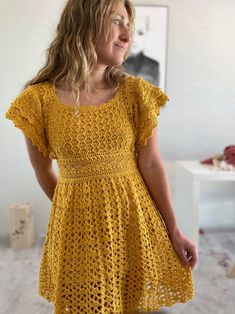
(157, 182)
(43, 169)
(153, 172)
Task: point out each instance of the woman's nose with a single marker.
(125, 35)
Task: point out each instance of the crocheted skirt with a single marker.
(107, 249)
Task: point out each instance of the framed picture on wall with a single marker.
(149, 46)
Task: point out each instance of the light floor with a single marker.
(215, 293)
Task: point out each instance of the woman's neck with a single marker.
(97, 77)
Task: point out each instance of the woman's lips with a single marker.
(120, 46)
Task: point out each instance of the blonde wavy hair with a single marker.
(71, 56)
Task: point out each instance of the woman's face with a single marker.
(113, 51)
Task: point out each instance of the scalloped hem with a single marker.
(147, 310)
(148, 135)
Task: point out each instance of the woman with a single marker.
(112, 244)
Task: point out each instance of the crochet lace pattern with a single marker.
(107, 249)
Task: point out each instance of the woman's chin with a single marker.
(113, 61)
(117, 62)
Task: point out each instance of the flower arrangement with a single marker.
(224, 161)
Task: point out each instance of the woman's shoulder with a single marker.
(142, 91)
(138, 85)
(32, 93)
(35, 91)
(41, 87)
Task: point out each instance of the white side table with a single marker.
(188, 176)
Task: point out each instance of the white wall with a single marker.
(26, 29)
(197, 122)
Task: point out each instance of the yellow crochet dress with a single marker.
(107, 250)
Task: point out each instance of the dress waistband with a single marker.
(100, 165)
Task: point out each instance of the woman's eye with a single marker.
(117, 21)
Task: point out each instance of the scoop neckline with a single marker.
(83, 106)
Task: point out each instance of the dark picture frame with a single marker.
(148, 57)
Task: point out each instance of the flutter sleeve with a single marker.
(150, 99)
(27, 114)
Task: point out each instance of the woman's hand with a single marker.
(184, 248)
